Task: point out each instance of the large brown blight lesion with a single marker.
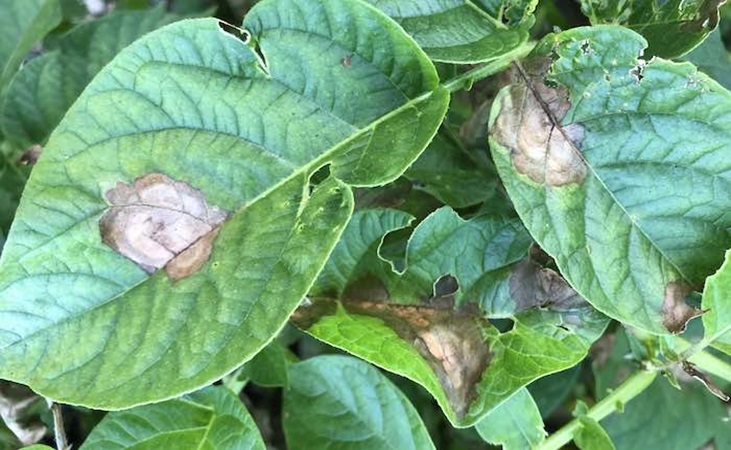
(529, 126)
(159, 222)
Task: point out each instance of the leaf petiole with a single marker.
(628, 390)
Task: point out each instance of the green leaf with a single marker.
(591, 436)
(269, 366)
(672, 27)
(661, 407)
(22, 24)
(712, 58)
(717, 304)
(552, 391)
(514, 424)
(407, 323)
(448, 172)
(42, 92)
(192, 112)
(615, 183)
(38, 447)
(459, 31)
(212, 418)
(341, 402)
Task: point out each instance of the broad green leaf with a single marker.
(341, 402)
(460, 31)
(22, 24)
(553, 390)
(515, 424)
(712, 58)
(270, 366)
(617, 183)
(407, 323)
(38, 447)
(717, 304)
(591, 436)
(672, 27)
(362, 236)
(448, 172)
(42, 92)
(212, 418)
(191, 112)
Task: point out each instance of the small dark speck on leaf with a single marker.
(347, 62)
(31, 154)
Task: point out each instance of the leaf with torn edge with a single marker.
(619, 169)
(672, 27)
(173, 224)
(463, 31)
(408, 323)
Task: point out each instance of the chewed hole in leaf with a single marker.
(675, 311)
(446, 285)
(159, 222)
(529, 126)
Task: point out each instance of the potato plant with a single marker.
(365, 224)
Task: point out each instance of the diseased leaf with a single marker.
(407, 323)
(671, 27)
(611, 176)
(516, 424)
(232, 126)
(22, 24)
(42, 92)
(717, 304)
(460, 31)
(212, 418)
(591, 436)
(341, 402)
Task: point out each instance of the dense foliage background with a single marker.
(467, 245)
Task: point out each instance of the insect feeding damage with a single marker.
(159, 222)
(528, 125)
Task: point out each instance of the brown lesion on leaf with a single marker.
(529, 126)
(532, 286)
(675, 311)
(159, 222)
(451, 341)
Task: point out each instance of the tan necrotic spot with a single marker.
(528, 125)
(159, 222)
(676, 312)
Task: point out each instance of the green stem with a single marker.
(702, 359)
(628, 390)
(465, 80)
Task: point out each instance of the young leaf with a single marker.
(191, 119)
(591, 436)
(717, 304)
(22, 24)
(341, 402)
(407, 323)
(516, 424)
(605, 164)
(463, 31)
(210, 418)
(672, 27)
(42, 92)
